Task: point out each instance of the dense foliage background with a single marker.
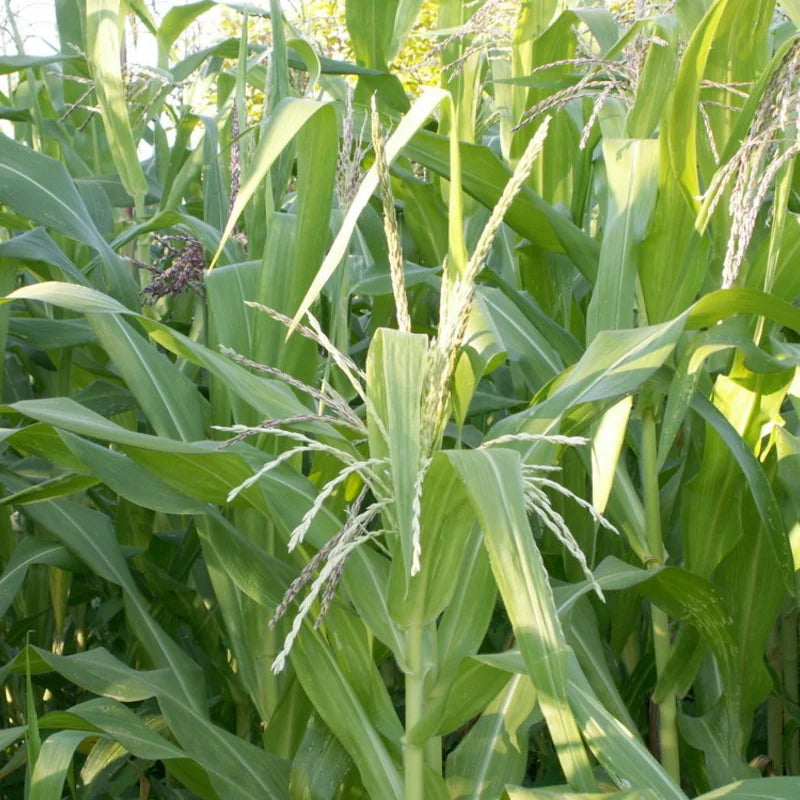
(515, 509)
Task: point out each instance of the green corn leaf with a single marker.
(464, 622)
(99, 671)
(120, 723)
(788, 451)
(460, 692)
(309, 56)
(684, 385)
(106, 398)
(205, 474)
(138, 8)
(395, 374)
(583, 636)
(182, 164)
(253, 643)
(296, 246)
(29, 552)
(169, 399)
(748, 581)
(15, 114)
(17, 63)
(626, 759)
(518, 793)
(55, 759)
(292, 717)
(11, 735)
(321, 764)
(89, 535)
(756, 789)
(611, 574)
(366, 580)
(61, 486)
(686, 657)
(724, 303)
(681, 594)
(43, 441)
(289, 117)
(682, 110)
(98, 205)
(269, 397)
(484, 176)
(231, 322)
(737, 56)
(198, 470)
(549, 40)
(758, 483)
(493, 480)
(131, 481)
(407, 11)
(175, 22)
(279, 88)
(446, 522)
(656, 79)
(37, 245)
(615, 364)
(236, 767)
(40, 188)
(50, 334)
(33, 742)
(180, 477)
(561, 340)
(322, 677)
(215, 195)
(76, 298)
(631, 174)
(472, 688)
(408, 126)
(495, 751)
(690, 370)
(371, 27)
(65, 413)
(356, 661)
(606, 449)
(578, 263)
(520, 338)
(337, 703)
(622, 754)
(104, 25)
(711, 734)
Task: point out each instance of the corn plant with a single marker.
(360, 445)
